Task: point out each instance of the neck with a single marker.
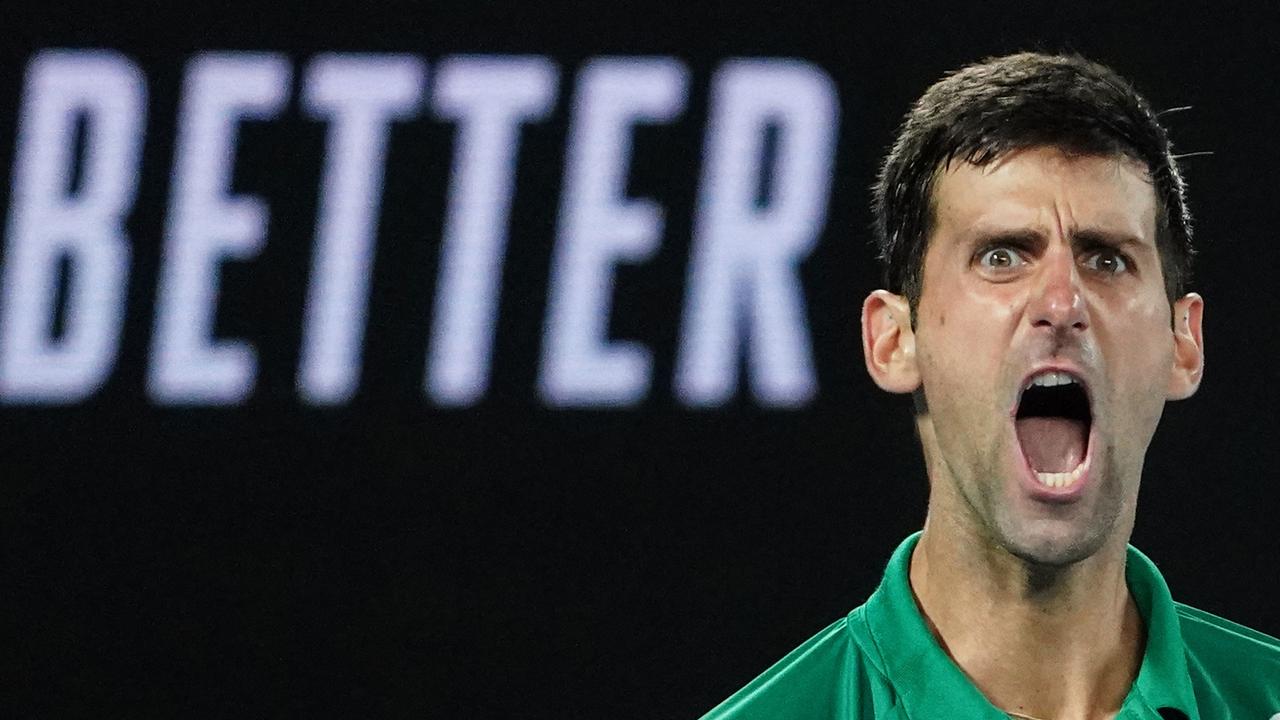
(1061, 643)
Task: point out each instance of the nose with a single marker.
(1057, 302)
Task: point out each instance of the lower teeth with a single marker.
(1060, 479)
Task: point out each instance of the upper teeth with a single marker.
(1051, 379)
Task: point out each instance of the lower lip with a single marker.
(1057, 495)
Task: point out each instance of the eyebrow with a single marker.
(1083, 237)
(1092, 237)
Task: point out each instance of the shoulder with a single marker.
(828, 676)
(1229, 661)
(1207, 633)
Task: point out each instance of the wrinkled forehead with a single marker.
(1046, 189)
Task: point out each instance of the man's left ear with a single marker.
(1188, 346)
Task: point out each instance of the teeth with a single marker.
(1051, 379)
(1060, 479)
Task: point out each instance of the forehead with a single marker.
(1049, 191)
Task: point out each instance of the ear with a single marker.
(888, 342)
(1188, 346)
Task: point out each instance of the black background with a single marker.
(389, 558)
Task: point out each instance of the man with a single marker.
(1036, 238)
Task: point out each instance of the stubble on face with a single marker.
(979, 333)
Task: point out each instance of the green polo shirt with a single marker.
(881, 661)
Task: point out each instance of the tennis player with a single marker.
(1036, 239)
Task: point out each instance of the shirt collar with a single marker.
(1163, 680)
(931, 685)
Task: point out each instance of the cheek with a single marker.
(973, 330)
(961, 362)
(963, 337)
(1147, 331)
(1141, 360)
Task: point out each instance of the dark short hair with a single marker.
(984, 111)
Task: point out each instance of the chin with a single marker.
(1053, 535)
(1053, 544)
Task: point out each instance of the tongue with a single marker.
(1052, 444)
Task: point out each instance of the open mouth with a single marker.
(1053, 421)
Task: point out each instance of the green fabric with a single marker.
(881, 661)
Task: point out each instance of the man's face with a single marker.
(1043, 265)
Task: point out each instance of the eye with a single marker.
(1000, 257)
(1107, 261)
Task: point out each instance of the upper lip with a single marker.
(1067, 368)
